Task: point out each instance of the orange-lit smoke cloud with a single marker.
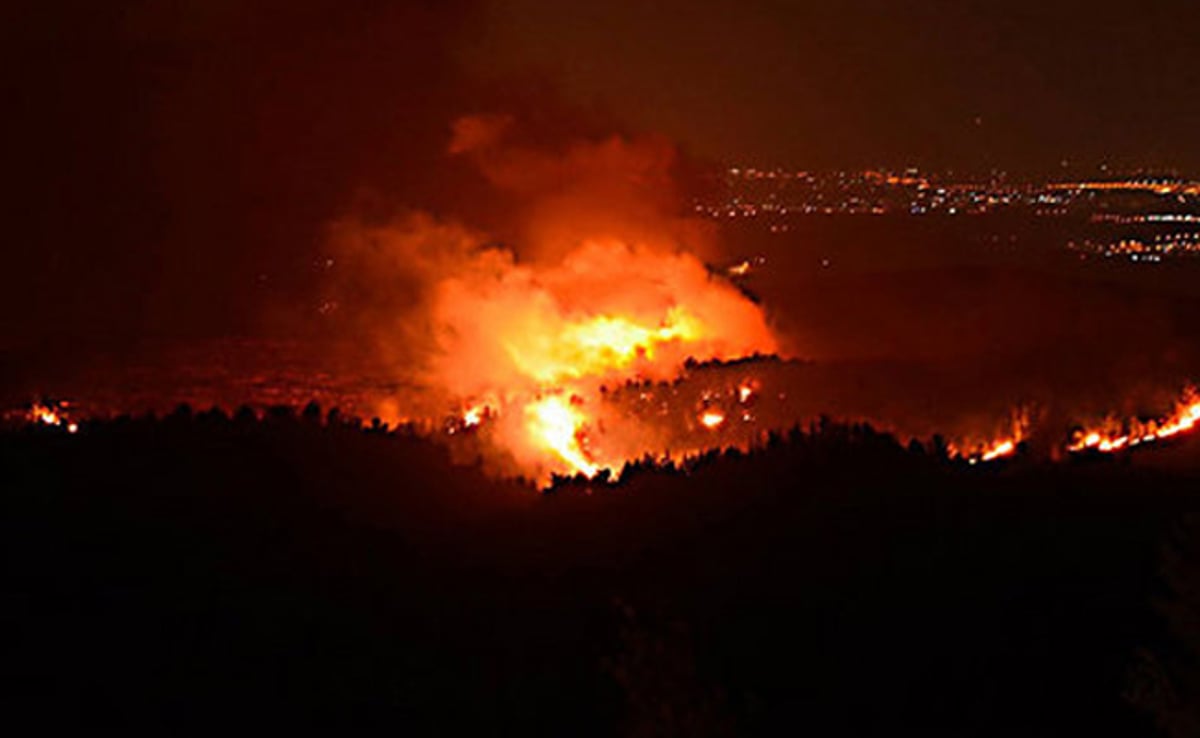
(604, 285)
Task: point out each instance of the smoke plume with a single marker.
(604, 284)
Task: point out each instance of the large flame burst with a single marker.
(566, 365)
(554, 422)
(524, 351)
(558, 359)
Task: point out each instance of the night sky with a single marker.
(169, 164)
(1019, 86)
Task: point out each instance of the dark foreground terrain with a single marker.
(201, 572)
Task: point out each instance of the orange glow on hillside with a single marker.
(1113, 435)
(999, 446)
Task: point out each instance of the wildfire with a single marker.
(476, 414)
(1109, 436)
(585, 352)
(52, 415)
(745, 266)
(1001, 446)
(605, 282)
(991, 451)
(1006, 447)
(472, 417)
(560, 427)
(44, 415)
(600, 345)
(524, 351)
(1114, 436)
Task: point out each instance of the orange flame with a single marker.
(53, 416)
(600, 345)
(712, 419)
(1006, 447)
(559, 426)
(1002, 446)
(1113, 436)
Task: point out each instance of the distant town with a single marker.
(1160, 215)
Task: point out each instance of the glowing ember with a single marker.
(740, 269)
(53, 416)
(475, 415)
(744, 267)
(712, 419)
